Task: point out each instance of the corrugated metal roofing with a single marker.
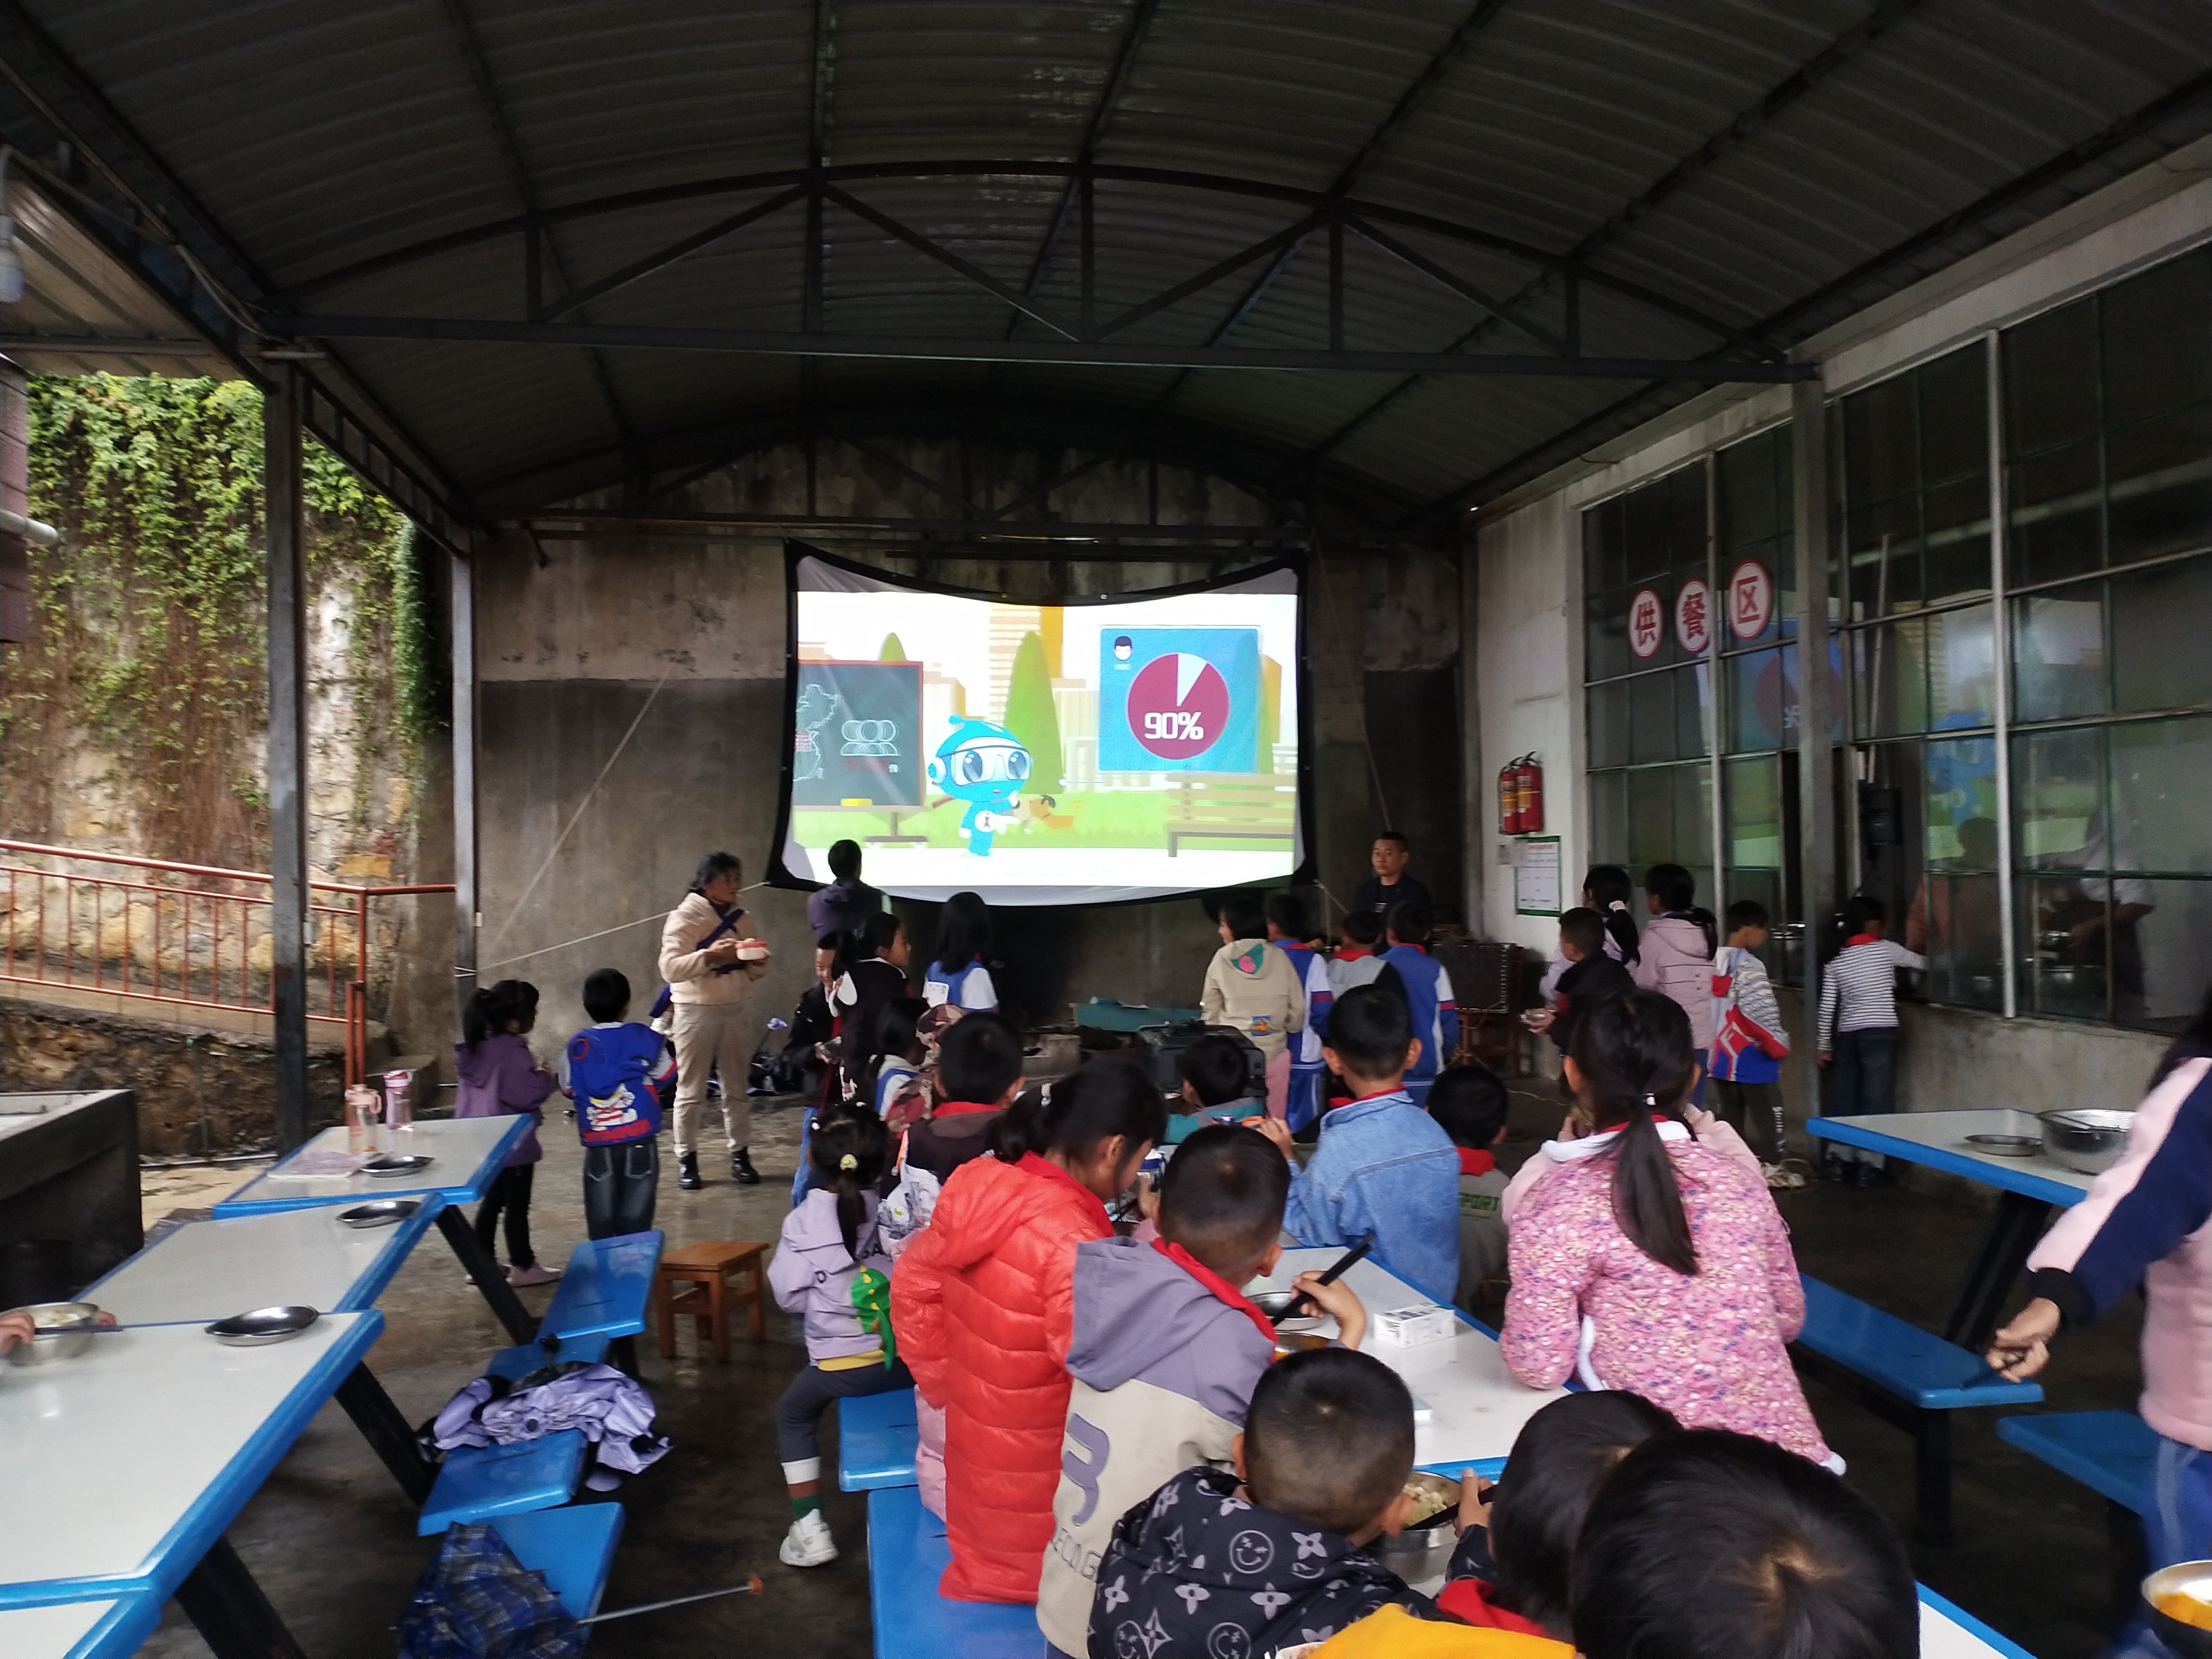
(1747, 162)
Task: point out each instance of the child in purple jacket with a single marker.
(499, 1078)
(829, 1267)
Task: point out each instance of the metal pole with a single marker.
(287, 579)
(468, 903)
(2000, 693)
(1715, 610)
(1816, 790)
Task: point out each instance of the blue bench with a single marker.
(516, 1362)
(605, 1289)
(907, 1552)
(572, 1548)
(1905, 1376)
(477, 1483)
(877, 1435)
(2109, 1452)
(2112, 1453)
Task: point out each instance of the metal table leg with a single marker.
(2006, 1243)
(230, 1612)
(386, 1433)
(485, 1272)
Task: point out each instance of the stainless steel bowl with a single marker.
(379, 1211)
(2178, 1585)
(66, 1329)
(258, 1327)
(1422, 1553)
(2087, 1139)
(396, 1163)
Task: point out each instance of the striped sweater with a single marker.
(1859, 991)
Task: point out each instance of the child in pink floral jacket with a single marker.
(1650, 1258)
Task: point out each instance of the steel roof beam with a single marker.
(944, 256)
(1086, 353)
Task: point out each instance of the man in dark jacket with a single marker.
(845, 903)
(1273, 1555)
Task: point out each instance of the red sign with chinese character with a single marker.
(1693, 616)
(1750, 599)
(1647, 621)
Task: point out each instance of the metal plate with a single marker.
(258, 1327)
(381, 1211)
(407, 1164)
(2007, 1146)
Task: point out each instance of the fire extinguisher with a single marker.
(1528, 796)
(1509, 798)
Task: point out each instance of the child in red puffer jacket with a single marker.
(982, 1304)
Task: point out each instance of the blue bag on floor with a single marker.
(475, 1600)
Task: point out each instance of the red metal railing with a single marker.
(189, 935)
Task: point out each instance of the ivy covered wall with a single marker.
(135, 720)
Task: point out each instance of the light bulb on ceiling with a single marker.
(11, 264)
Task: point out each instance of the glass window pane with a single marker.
(1962, 669)
(1609, 724)
(2159, 966)
(1958, 539)
(1885, 558)
(2159, 644)
(1954, 421)
(1650, 547)
(1610, 817)
(2055, 519)
(2058, 784)
(1753, 791)
(1959, 784)
(2050, 378)
(1606, 635)
(1754, 490)
(2162, 797)
(1605, 564)
(1693, 825)
(1880, 444)
(1955, 922)
(1692, 692)
(2058, 654)
(1651, 717)
(2158, 339)
(2062, 938)
(2161, 482)
(1889, 679)
(1650, 817)
(1756, 693)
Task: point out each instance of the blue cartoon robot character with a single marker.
(984, 764)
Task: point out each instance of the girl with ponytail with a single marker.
(983, 1301)
(1646, 1252)
(499, 1077)
(829, 1267)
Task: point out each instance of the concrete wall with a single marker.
(632, 695)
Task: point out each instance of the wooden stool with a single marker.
(704, 1272)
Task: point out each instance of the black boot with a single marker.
(741, 1168)
(687, 1171)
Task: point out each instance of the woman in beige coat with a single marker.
(710, 979)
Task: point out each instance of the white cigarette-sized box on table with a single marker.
(1409, 1327)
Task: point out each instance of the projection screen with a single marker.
(1092, 752)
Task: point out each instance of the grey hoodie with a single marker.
(1163, 1370)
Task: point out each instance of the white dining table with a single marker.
(106, 1627)
(1951, 1632)
(466, 1154)
(124, 1466)
(209, 1270)
(1468, 1407)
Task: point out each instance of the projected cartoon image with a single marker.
(1040, 753)
(985, 765)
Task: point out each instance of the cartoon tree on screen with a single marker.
(893, 650)
(1030, 713)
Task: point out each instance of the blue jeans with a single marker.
(1864, 1080)
(2178, 1527)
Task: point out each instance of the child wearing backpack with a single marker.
(616, 1072)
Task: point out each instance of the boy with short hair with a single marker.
(616, 1070)
(1286, 932)
(1859, 1029)
(1427, 989)
(1250, 986)
(1591, 977)
(1164, 1351)
(1273, 1555)
(979, 1073)
(1216, 1085)
(1383, 1167)
(1469, 1104)
(1748, 1041)
(1355, 961)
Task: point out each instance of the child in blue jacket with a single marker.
(616, 1069)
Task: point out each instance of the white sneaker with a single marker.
(536, 1274)
(808, 1544)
